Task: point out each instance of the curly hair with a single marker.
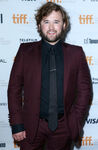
(47, 8)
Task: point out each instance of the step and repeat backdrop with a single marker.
(17, 25)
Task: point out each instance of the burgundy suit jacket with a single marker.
(26, 71)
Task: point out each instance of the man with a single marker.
(56, 82)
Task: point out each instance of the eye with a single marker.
(56, 22)
(46, 21)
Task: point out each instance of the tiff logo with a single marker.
(89, 60)
(86, 19)
(16, 145)
(54, 1)
(20, 19)
(86, 141)
(1, 18)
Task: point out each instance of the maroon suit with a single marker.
(26, 72)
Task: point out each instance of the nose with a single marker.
(51, 26)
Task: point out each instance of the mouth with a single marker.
(51, 33)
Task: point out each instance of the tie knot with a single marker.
(52, 51)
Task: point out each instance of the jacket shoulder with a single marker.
(71, 46)
(74, 49)
(33, 44)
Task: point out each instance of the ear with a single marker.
(64, 25)
(39, 27)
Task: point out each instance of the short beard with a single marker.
(60, 36)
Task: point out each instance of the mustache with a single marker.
(51, 31)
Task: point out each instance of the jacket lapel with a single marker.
(66, 71)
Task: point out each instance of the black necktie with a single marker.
(52, 118)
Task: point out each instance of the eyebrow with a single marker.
(54, 20)
(45, 20)
(57, 20)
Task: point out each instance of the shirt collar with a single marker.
(57, 47)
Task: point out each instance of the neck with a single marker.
(52, 43)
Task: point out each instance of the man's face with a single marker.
(52, 27)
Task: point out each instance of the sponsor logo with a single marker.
(90, 60)
(95, 80)
(86, 19)
(92, 121)
(1, 18)
(91, 0)
(3, 83)
(3, 61)
(2, 144)
(3, 104)
(54, 1)
(28, 0)
(4, 41)
(3, 124)
(94, 0)
(22, 40)
(20, 19)
(86, 141)
(3, 0)
(90, 41)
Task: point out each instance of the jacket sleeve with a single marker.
(17, 128)
(15, 87)
(83, 98)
